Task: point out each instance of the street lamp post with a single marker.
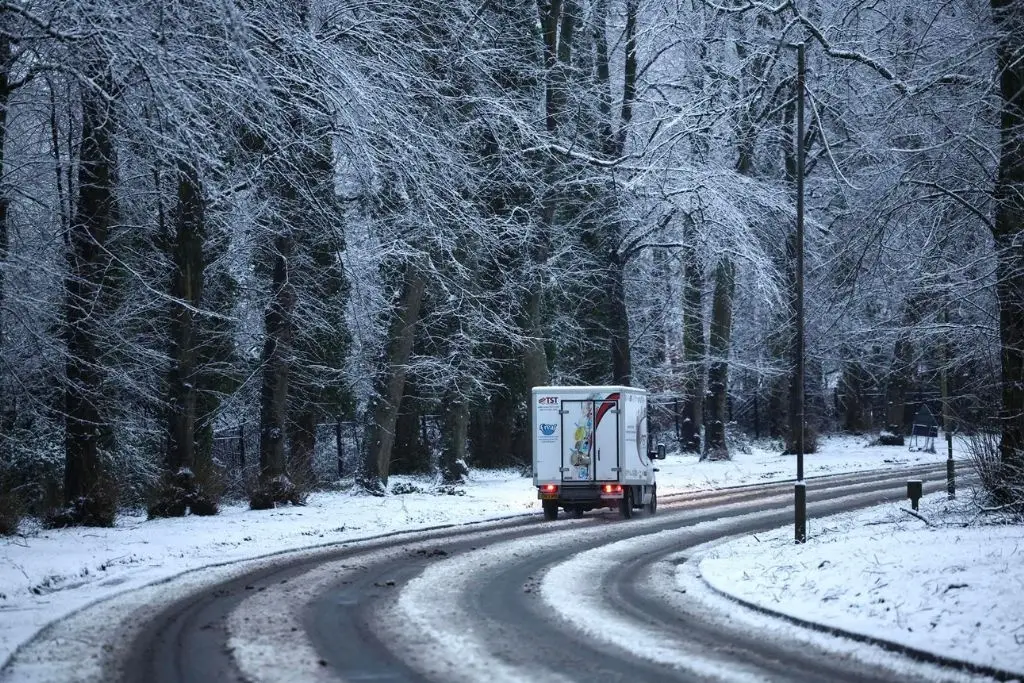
(800, 490)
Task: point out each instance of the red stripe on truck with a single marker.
(608, 404)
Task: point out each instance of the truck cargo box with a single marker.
(590, 448)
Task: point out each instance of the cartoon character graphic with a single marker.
(580, 454)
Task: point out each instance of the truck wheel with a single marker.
(626, 504)
(550, 509)
(652, 507)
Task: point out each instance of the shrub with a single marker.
(403, 488)
(186, 491)
(277, 491)
(1003, 482)
(888, 438)
(98, 508)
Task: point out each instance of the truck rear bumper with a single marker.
(581, 495)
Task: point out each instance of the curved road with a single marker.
(570, 600)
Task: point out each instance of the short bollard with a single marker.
(914, 487)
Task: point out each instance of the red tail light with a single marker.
(613, 488)
(548, 488)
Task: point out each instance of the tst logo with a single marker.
(548, 400)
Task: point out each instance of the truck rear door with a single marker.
(577, 440)
(590, 435)
(606, 438)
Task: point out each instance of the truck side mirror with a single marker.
(661, 451)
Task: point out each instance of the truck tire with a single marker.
(550, 509)
(652, 507)
(626, 504)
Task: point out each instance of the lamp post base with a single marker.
(800, 499)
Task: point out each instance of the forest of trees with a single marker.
(400, 214)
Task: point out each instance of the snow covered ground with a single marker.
(951, 586)
(948, 588)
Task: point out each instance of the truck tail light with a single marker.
(548, 488)
(613, 488)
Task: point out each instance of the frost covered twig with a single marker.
(914, 514)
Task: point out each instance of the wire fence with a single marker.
(336, 449)
(338, 445)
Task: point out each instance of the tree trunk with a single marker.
(186, 288)
(6, 407)
(505, 425)
(693, 344)
(1010, 290)
(622, 373)
(5, 95)
(274, 485)
(88, 494)
(717, 415)
(550, 12)
(411, 451)
(852, 403)
(499, 425)
(391, 382)
(535, 362)
(1007, 230)
(535, 359)
(301, 449)
(662, 277)
(613, 147)
(896, 394)
(320, 343)
(453, 453)
(478, 433)
(180, 490)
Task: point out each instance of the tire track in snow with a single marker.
(636, 606)
(266, 634)
(590, 611)
(89, 652)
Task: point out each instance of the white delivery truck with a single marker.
(590, 450)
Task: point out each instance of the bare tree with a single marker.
(1008, 227)
(90, 495)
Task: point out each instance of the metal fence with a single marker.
(336, 450)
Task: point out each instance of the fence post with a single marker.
(241, 444)
(341, 455)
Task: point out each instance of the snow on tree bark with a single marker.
(1008, 230)
(89, 494)
(6, 59)
(274, 484)
(717, 410)
(453, 452)
(186, 483)
(390, 382)
(692, 386)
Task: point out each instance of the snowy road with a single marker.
(572, 600)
